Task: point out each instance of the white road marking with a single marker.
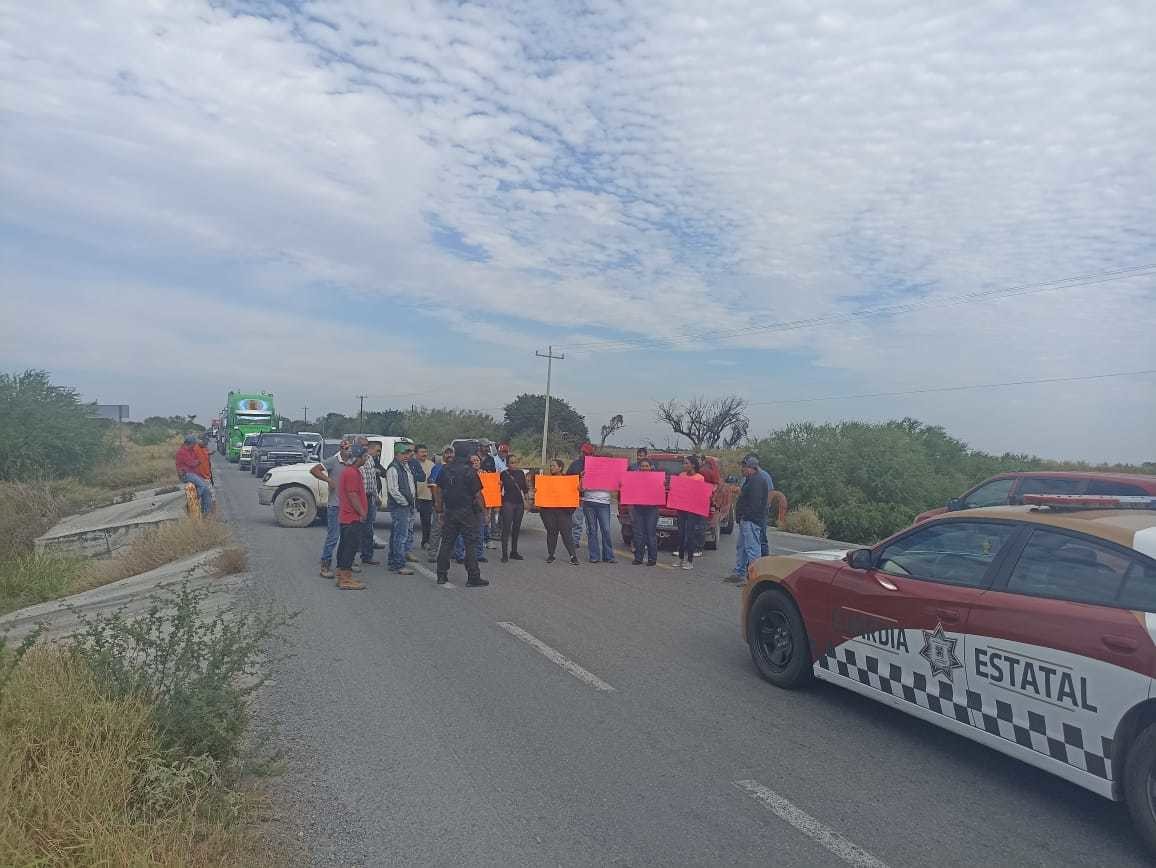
(809, 826)
(430, 574)
(586, 677)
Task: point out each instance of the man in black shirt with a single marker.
(458, 500)
(750, 515)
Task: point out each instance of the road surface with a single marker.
(609, 715)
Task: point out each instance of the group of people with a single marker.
(195, 467)
(445, 500)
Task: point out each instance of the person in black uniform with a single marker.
(458, 500)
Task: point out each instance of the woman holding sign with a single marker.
(645, 526)
(688, 522)
(557, 519)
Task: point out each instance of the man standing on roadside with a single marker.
(764, 542)
(750, 515)
(458, 497)
(354, 507)
(189, 470)
(436, 522)
(329, 472)
(371, 477)
(400, 498)
(422, 467)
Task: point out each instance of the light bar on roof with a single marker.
(1092, 501)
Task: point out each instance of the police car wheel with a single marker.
(778, 641)
(1140, 785)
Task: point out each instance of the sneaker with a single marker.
(574, 560)
(676, 562)
(370, 562)
(326, 573)
(733, 579)
(514, 556)
(689, 565)
(491, 545)
(611, 561)
(505, 560)
(355, 568)
(411, 557)
(477, 583)
(442, 579)
(652, 563)
(637, 562)
(404, 571)
(550, 559)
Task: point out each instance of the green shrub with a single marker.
(26, 580)
(804, 520)
(195, 671)
(46, 431)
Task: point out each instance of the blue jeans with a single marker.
(411, 539)
(332, 532)
(748, 546)
(576, 522)
(399, 535)
(460, 543)
(598, 523)
(367, 528)
(204, 491)
(645, 532)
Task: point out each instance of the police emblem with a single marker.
(939, 651)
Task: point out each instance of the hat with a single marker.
(751, 461)
(190, 439)
(399, 448)
(356, 451)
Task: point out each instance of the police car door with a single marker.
(900, 626)
(1056, 654)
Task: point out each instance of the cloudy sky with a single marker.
(406, 199)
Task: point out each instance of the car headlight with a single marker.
(266, 478)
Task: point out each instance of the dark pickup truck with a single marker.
(274, 449)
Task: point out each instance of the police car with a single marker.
(1031, 629)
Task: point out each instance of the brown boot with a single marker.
(346, 582)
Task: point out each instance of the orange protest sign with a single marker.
(491, 490)
(555, 491)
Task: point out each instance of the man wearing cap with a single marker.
(750, 515)
(764, 543)
(188, 467)
(400, 498)
(329, 472)
(436, 521)
(354, 507)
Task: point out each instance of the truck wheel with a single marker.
(294, 507)
(778, 640)
(1140, 785)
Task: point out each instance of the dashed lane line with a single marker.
(586, 677)
(823, 835)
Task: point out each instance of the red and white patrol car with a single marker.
(1031, 629)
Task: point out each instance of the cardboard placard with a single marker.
(603, 474)
(555, 491)
(643, 488)
(491, 489)
(689, 495)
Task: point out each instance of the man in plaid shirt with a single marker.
(370, 471)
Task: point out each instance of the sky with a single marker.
(795, 202)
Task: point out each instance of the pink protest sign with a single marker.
(690, 495)
(643, 488)
(603, 474)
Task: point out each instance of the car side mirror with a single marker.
(956, 504)
(861, 559)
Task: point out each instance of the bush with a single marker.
(36, 578)
(46, 431)
(194, 672)
(84, 784)
(804, 520)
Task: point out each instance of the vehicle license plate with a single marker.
(665, 521)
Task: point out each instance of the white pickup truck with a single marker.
(298, 497)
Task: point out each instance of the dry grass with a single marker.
(233, 560)
(804, 520)
(81, 782)
(155, 548)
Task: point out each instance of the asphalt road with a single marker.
(422, 725)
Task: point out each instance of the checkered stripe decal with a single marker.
(1070, 746)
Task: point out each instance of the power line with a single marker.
(1073, 282)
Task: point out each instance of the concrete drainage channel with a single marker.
(102, 531)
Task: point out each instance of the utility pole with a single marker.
(306, 416)
(549, 357)
(361, 414)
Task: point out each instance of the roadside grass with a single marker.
(28, 579)
(806, 521)
(154, 548)
(84, 779)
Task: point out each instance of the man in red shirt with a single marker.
(189, 470)
(353, 511)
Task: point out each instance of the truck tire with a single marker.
(294, 506)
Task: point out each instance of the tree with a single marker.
(616, 423)
(525, 413)
(46, 431)
(721, 421)
(438, 426)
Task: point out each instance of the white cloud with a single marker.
(636, 170)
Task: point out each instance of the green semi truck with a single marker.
(247, 413)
